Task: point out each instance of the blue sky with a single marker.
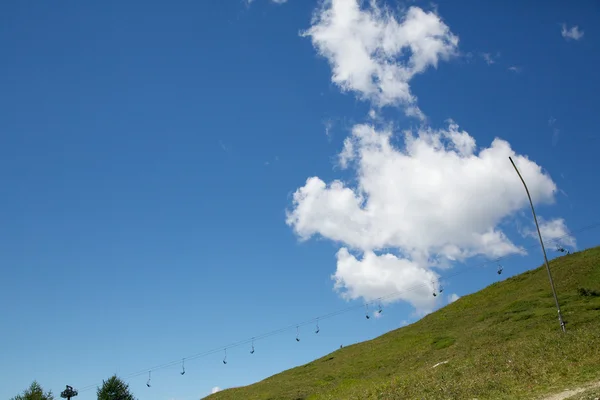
(149, 153)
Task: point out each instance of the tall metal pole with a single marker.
(562, 324)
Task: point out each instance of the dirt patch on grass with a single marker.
(573, 394)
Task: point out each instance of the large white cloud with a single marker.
(435, 199)
(417, 201)
(376, 55)
(435, 194)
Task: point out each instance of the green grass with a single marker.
(503, 342)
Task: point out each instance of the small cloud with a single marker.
(224, 147)
(489, 58)
(555, 134)
(215, 390)
(515, 69)
(453, 297)
(572, 33)
(328, 126)
(553, 231)
(276, 159)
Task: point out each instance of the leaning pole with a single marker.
(560, 319)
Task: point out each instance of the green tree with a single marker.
(114, 389)
(34, 392)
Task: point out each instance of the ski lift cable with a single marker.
(334, 313)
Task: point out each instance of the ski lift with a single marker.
(149, 377)
(380, 309)
(182, 366)
(225, 358)
(500, 269)
(297, 334)
(367, 311)
(562, 250)
(252, 351)
(433, 284)
(318, 329)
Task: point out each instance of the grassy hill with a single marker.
(503, 342)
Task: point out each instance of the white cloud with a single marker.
(515, 69)
(215, 390)
(224, 147)
(489, 58)
(572, 33)
(418, 201)
(375, 55)
(554, 232)
(328, 126)
(435, 200)
(453, 297)
(373, 276)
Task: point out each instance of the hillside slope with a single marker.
(503, 342)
